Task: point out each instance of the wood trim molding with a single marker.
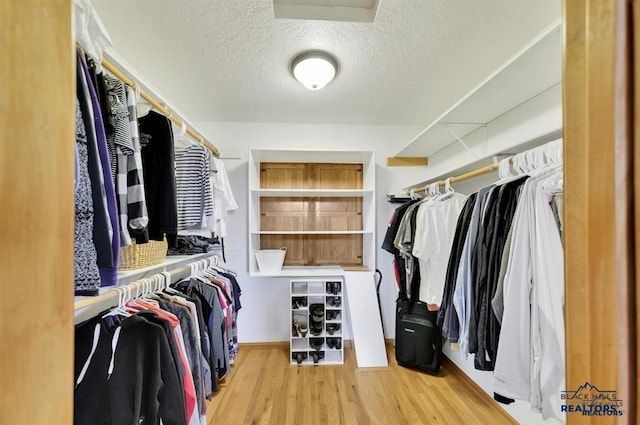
(407, 161)
(635, 70)
(449, 365)
(37, 149)
(264, 345)
(599, 246)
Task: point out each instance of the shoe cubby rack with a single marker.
(316, 321)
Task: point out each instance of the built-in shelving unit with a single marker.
(534, 70)
(319, 204)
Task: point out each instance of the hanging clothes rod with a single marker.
(459, 178)
(160, 107)
(89, 307)
(551, 150)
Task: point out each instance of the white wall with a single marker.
(265, 313)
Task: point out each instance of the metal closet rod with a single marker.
(113, 69)
(461, 177)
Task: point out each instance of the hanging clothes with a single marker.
(447, 317)
(156, 140)
(462, 297)
(120, 145)
(435, 227)
(108, 273)
(85, 268)
(125, 374)
(530, 354)
(389, 246)
(194, 190)
(102, 230)
(132, 172)
(224, 201)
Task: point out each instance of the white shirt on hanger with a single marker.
(435, 228)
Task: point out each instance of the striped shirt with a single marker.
(194, 195)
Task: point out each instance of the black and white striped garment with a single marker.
(136, 199)
(194, 195)
(121, 135)
(120, 145)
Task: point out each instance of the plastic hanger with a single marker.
(504, 170)
(119, 310)
(447, 186)
(166, 280)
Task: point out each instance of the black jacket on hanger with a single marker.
(156, 139)
(143, 387)
(447, 317)
(498, 233)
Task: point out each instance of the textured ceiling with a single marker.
(228, 60)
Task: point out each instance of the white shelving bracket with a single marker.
(459, 139)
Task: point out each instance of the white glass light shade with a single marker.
(314, 70)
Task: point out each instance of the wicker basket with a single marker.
(136, 256)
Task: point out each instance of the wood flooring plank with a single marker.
(263, 388)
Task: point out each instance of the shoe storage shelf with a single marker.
(316, 321)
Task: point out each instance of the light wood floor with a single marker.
(264, 389)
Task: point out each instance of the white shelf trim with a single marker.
(311, 232)
(309, 271)
(311, 192)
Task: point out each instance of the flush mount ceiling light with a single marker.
(315, 69)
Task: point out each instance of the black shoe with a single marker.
(316, 309)
(298, 302)
(316, 343)
(332, 328)
(332, 301)
(332, 315)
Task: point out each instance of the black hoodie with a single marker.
(143, 386)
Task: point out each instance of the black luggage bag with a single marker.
(418, 338)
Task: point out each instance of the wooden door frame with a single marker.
(37, 122)
(599, 202)
(37, 361)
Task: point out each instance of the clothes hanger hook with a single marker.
(447, 186)
(167, 279)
